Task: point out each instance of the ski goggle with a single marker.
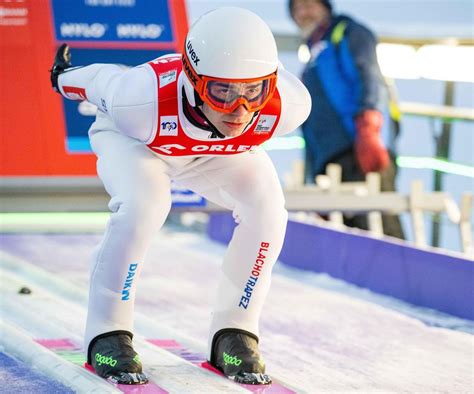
(226, 95)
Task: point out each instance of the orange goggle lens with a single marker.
(226, 95)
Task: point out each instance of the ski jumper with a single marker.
(143, 140)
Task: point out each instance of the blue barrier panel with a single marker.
(422, 277)
(125, 21)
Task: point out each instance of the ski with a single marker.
(70, 351)
(200, 360)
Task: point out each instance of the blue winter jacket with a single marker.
(344, 79)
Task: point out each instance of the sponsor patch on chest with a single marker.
(168, 77)
(265, 124)
(168, 125)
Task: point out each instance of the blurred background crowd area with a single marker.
(425, 52)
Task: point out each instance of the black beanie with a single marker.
(326, 3)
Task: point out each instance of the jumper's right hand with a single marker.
(62, 61)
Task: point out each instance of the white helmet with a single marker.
(230, 45)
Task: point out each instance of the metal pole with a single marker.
(442, 152)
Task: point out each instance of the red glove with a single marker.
(371, 154)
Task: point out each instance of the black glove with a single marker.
(62, 61)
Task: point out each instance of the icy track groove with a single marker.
(63, 319)
(315, 339)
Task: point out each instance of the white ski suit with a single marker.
(232, 172)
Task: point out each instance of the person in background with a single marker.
(197, 118)
(352, 121)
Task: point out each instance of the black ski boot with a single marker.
(235, 353)
(113, 358)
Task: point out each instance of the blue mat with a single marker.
(16, 377)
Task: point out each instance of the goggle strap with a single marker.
(193, 77)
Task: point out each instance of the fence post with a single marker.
(416, 203)
(465, 224)
(334, 172)
(374, 218)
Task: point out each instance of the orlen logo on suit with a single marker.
(169, 149)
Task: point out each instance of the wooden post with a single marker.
(465, 224)
(334, 172)
(374, 218)
(416, 210)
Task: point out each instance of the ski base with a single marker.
(71, 352)
(200, 360)
(249, 378)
